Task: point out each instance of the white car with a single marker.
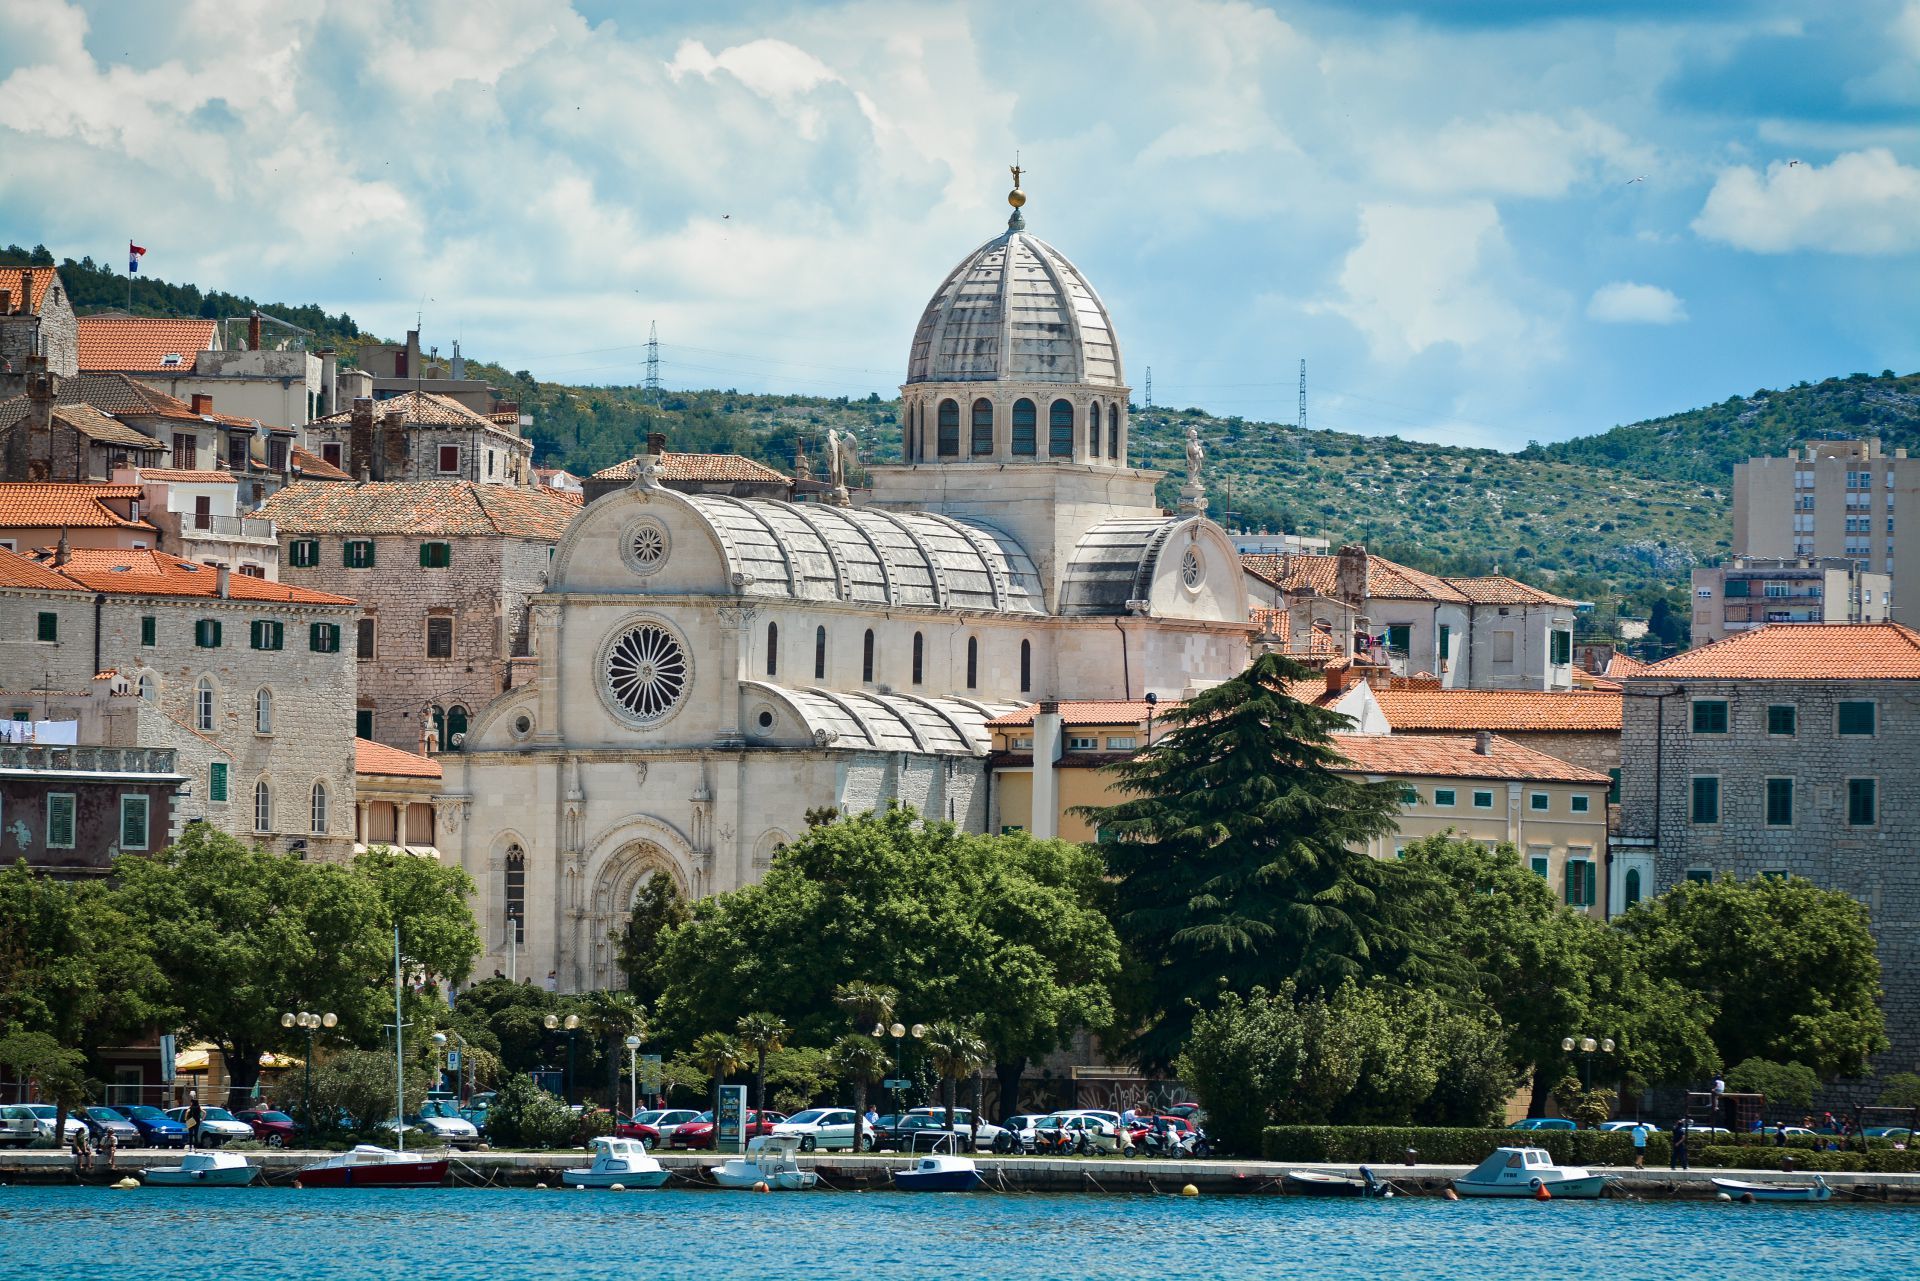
(982, 1139)
(827, 1129)
(31, 1124)
(441, 1120)
(669, 1120)
(217, 1125)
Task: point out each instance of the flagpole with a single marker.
(130, 262)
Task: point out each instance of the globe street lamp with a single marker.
(633, 1076)
(311, 1024)
(899, 1032)
(1587, 1045)
(572, 1024)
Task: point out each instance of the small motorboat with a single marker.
(938, 1172)
(1527, 1172)
(1321, 1183)
(203, 1169)
(617, 1163)
(1741, 1190)
(368, 1166)
(769, 1160)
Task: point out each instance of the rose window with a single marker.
(646, 671)
(1190, 569)
(647, 547)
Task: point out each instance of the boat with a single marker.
(1321, 1183)
(617, 1163)
(1527, 1172)
(938, 1172)
(769, 1160)
(1741, 1190)
(203, 1169)
(368, 1166)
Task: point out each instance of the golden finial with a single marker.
(1016, 197)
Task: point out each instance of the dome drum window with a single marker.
(645, 546)
(646, 673)
(948, 440)
(1060, 429)
(982, 427)
(1025, 428)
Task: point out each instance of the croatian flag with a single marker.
(133, 257)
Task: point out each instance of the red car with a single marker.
(699, 1134)
(628, 1128)
(275, 1129)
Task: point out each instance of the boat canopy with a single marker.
(1504, 1159)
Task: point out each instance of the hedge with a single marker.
(1440, 1145)
(1755, 1157)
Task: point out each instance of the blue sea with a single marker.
(254, 1234)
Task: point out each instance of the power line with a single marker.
(653, 361)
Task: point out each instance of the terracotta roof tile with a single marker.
(313, 467)
(183, 476)
(700, 467)
(143, 344)
(1499, 590)
(370, 757)
(451, 507)
(1093, 712)
(1620, 666)
(1386, 579)
(37, 505)
(426, 408)
(28, 285)
(1416, 755)
(1801, 652)
(155, 573)
(1510, 711)
(123, 395)
(20, 571)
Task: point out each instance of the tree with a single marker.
(524, 1115)
(358, 1085)
(1902, 1090)
(1237, 856)
(610, 1018)
(657, 910)
(59, 1072)
(1790, 968)
(862, 1060)
(868, 1005)
(762, 1033)
(242, 935)
(427, 901)
(799, 1076)
(1792, 1084)
(956, 1051)
(719, 1056)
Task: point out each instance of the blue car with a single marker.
(1546, 1123)
(157, 1129)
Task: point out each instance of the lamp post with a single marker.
(633, 1076)
(572, 1025)
(1587, 1045)
(460, 1077)
(899, 1032)
(1153, 701)
(311, 1024)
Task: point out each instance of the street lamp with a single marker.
(899, 1032)
(572, 1024)
(460, 1077)
(633, 1077)
(311, 1024)
(1587, 1045)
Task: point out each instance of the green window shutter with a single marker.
(426, 555)
(1700, 875)
(133, 822)
(1706, 800)
(1578, 803)
(1483, 800)
(1739, 587)
(1539, 865)
(1779, 802)
(1408, 796)
(60, 820)
(1446, 641)
(1571, 882)
(1781, 718)
(1709, 715)
(1856, 719)
(1443, 796)
(1400, 637)
(1562, 648)
(217, 782)
(149, 629)
(1613, 788)
(206, 633)
(1862, 806)
(268, 634)
(323, 638)
(49, 626)
(363, 722)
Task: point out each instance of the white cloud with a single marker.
(1865, 202)
(1513, 154)
(1626, 303)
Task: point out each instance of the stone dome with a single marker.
(1015, 310)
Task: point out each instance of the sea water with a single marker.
(253, 1234)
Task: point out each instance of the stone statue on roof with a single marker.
(841, 457)
(1193, 494)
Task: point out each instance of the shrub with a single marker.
(1755, 1157)
(1902, 1090)
(525, 1116)
(1791, 1084)
(1449, 1145)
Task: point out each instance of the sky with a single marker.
(1480, 223)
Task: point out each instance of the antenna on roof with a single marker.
(1301, 422)
(653, 362)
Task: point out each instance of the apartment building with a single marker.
(1749, 592)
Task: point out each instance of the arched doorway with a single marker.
(619, 882)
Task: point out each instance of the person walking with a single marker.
(1678, 1161)
(194, 1116)
(1640, 1145)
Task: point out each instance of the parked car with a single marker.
(904, 1133)
(101, 1122)
(1193, 1112)
(275, 1129)
(440, 1119)
(825, 1129)
(982, 1136)
(671, 1119)
(25, 1125)
(1546, 1123)
(699, 1134)
(217, 1125)
(1653, 1127)
(1019, 1131)
(1898, 1133)
(157, 1129)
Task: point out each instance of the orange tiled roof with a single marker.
(1505, 710)
(425, 408)
(452, 507)
(39, 505)
(1090, 712)
(21, 571)
(1386, 579)
(123, 395)
(1620, 666)
(1801, 652)
(313, 467)
(154, 573)
(143, 344)
(1500, 590)
(28, 285)
(699, 467)
(184, 476)
(370, 757)
(1421, 755)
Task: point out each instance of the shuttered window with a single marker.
(206, 633)
(323, 638)
(60, 820)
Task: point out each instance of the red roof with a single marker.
(1091, 712)
(699, 467)
(312, 466)
(185, 476)
(125, 396)
(421, 507)
(1801, 652)
(155, 573)
(143, 344)
(1507, 710)
(370, 757)
(19, 571)
(1423, 755)
(1386, 579)
(1500, 590)
(44, 505)
(28, 285)
(1621, 666)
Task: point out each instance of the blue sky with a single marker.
(1433, 203)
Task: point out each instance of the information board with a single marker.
(730, 1134)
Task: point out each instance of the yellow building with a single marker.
(1484, 788)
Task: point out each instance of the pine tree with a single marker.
(1238, 860)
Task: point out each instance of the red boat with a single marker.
(368, 1166)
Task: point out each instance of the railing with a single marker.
(192, 523)
(93, 760)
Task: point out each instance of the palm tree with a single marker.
(719, 1056)
(612, 1017)
(956, 1052)
(869, 1005)
(762, 1033)
(863, 1060)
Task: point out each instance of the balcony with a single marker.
(52, 759)
(254, 529)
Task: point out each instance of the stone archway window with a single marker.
(820, 653)
(982, 426)
(149, 688)
(1026, 424)
(456, 728)
(515, 888)
(319, 809)
(919, 657)
(773, 649)
(1093, 429)
(949, 436)
(973, 662)
(203, 705)
(866, 658)
(263, 711)
(1026, 666)
(1060, 429)
(262, 807)
(1113, 432)
(1633, 886)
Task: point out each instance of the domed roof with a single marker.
(1015, 310)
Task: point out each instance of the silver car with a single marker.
(31, 1125)
(217, 1125)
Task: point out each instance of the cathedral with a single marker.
(711, 668)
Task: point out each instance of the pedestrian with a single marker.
(194, 1117)
(553, 980)
(873, 1117)
(1780, 1135)
(1722, 1114)
(1640, 1145)
(1678, 1160)
(82, 1150)
(108, 1144)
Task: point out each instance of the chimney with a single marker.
(63, 553)
(223, 582)
(1483, 742)
(329, 381)
(253, 332)
(360, 438)
(1339, 674)
(202, 403)
(459, 369)
(41, 387)
(656, 442)
(1046, 786)
(1350, 573)
(392, 447)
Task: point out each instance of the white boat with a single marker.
(1741, 1190)
(203, 1169)
(938, 1172)
(617, 1162)
(368, 1166)
(1526, 1172)
(769, 1160)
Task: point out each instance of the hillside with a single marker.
(1704, 444)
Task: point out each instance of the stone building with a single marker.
(1789, 750)
(711, 668)
(1748, 592)
(417, 435)
(443, 570)
(250, 683)
(284, 386)
(398, 795)
(1580, 727)
(36, 319)
(730, 474)
(67, 810)
(44, 437)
